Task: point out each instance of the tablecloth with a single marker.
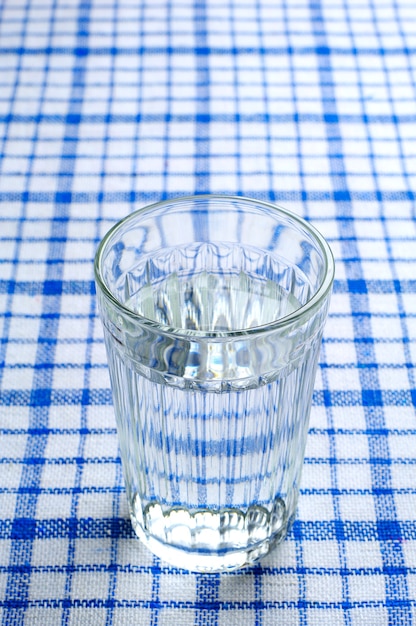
(108, 105)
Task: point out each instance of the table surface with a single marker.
(107, 105)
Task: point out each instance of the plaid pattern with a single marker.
(105, 106)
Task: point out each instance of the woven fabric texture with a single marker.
(108, 105)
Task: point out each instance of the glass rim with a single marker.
(301, 314)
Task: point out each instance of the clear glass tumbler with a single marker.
(213, 309)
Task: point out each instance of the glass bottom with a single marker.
(212, 541)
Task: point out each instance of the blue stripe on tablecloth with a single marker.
(96, 528)
(231, 118)
(241, 606)
(388, 528)
(46, 397)
(114, 460)
(202, 145)
(62, 198)
(354, 286)
(167, 118)
(138, 148)
(347, 398)
(79, 81)
(340, 193)
(398, 595)
(339, 190)
(238, 117)
(405, 339)
(322, 51)
(16, 595)
(142, 197)
(267, 107)
(207, 594)
(112, 431)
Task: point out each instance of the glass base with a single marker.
(211, 541)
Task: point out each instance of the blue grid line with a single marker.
(231, 118)
(258, 592)
(112, 567)
(141, 197)
(202, 147)
(83, 51)
(117, 490)
(238, 117)
(155, 603)
(267, 109)
(255, 604)
(138, 150)
(102, 527)
(147, 197)
(102, 396)
(397, 291)
(60, 228)
(166, 119)
(381, 476)
(207, 604)
(111, 460)
(407, 55)
(338, 180)
(112, 431)
(207, 609)
(365, 221)
(20, 221)
(402, 159)
(302, 196)
(297, 118)
(16, 593)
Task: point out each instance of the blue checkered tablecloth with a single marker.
(107, 105)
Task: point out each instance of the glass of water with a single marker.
(213, 309)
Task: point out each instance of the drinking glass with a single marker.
(213, 309)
